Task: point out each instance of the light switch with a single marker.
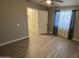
(18, 25)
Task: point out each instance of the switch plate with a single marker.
(18, 25)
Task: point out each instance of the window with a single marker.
(65, 19)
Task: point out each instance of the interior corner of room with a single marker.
(14, 22)
(22, 19)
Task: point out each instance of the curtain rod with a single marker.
(73, 9)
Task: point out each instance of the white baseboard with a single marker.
(75, 39)
(12, 41)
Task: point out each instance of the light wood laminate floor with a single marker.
(42, 46)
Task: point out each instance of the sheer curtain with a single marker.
(64, 23)
(65, 18)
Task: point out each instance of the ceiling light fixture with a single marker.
(49, 2)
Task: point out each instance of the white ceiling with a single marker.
(65, 3)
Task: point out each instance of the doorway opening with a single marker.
(37, 21)
(32, 15)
